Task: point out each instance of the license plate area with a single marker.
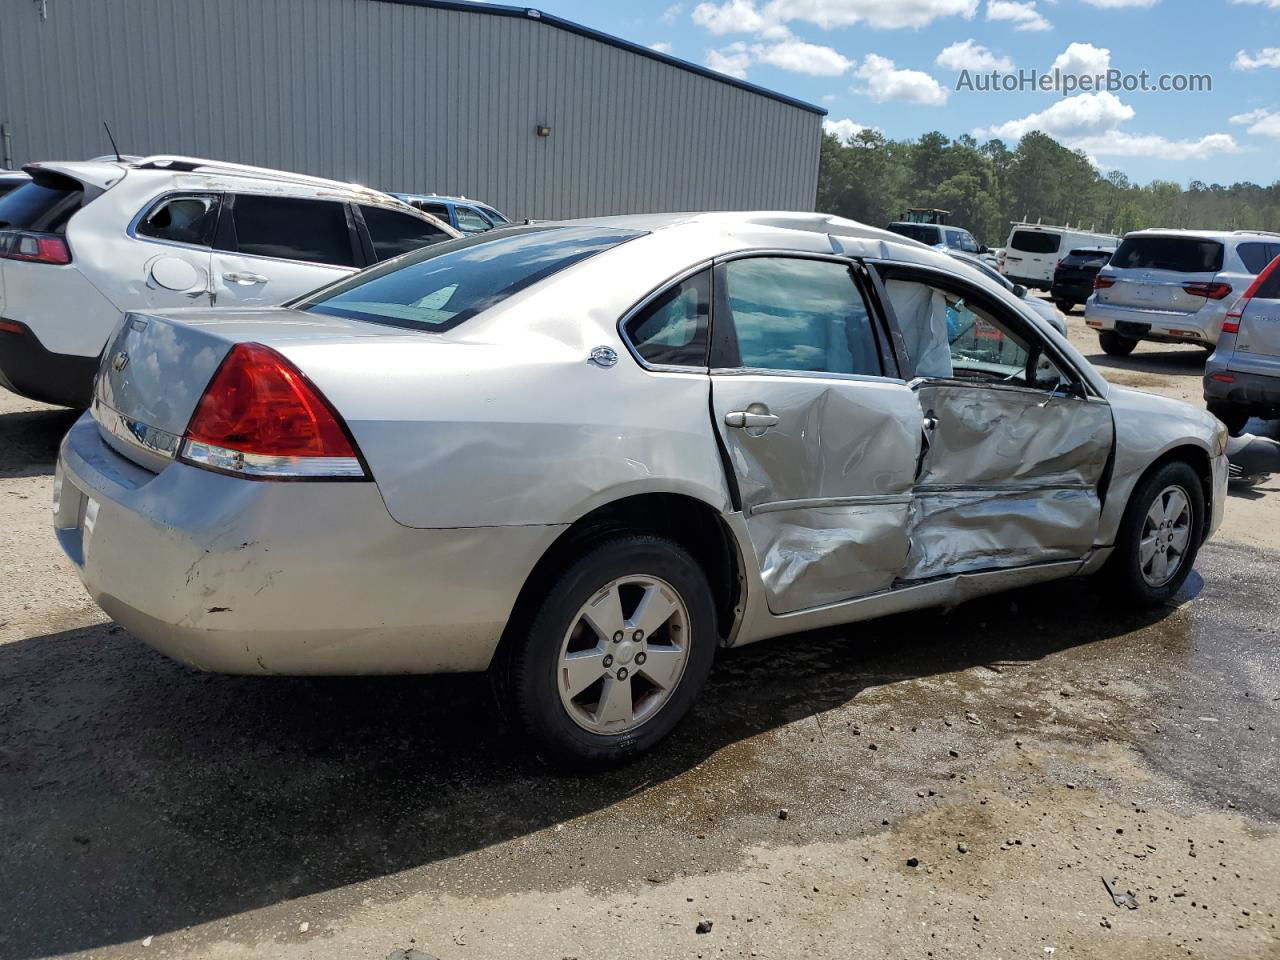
(1130, 329)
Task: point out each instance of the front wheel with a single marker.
(615, 655)
(1159, 536)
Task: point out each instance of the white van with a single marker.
(1034, 249)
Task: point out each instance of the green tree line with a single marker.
(986, 185)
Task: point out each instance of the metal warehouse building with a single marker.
(537, 115)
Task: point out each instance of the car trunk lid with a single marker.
(156, 367)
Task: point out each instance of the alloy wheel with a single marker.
(1166, 535)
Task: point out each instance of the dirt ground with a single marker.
(955, 783)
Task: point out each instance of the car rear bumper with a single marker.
(27, 368)
(253, 577)
(1075, 292)
(1255, 390)
(1164, 326)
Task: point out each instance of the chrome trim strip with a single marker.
(135, 433)
(819, 503)
(951, 489)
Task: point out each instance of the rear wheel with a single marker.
(1066, 306)
(1114, 345)
(1233, 416)
(615, 654)
(1159, 536)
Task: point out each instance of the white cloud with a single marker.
(1083, 60)
(661, 46)
(883, 82)
(1266, 57)
(1021, 13)
(969, 55)
(789, 54)
(745, 16)
(1111, 4)
(1119, 144)
(1273, 4)
(732, 60)
(1263, 123)
(673, 11)
(1071, 117)
(844, 129)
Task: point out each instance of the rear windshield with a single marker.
(1179, 254)
(1035, 241)
(924, 232)
(1081, 258)
(441, 286)
(42, 207)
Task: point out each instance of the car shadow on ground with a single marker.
(139, 797)
(1175, 361)
(29, 441)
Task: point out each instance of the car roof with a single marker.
(1204, 234)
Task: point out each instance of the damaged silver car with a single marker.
(584, 455)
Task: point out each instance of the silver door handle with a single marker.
(746, 420)
(244, 278)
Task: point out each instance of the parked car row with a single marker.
(83, 243)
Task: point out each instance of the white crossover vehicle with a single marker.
(82, 243)
(1174, 286)
(584, 455)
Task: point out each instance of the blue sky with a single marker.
(894, 64)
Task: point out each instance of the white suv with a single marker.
(1174, 286)
(83, 243)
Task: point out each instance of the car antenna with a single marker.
(119, 159)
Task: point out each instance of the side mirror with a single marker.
(1019, 291)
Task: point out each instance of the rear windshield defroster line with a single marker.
(446, 284)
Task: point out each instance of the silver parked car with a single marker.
(586, 454)
(1242, 377)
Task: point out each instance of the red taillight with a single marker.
(1101, 282)
(35, 248)
(1210, 291)
(260, 416)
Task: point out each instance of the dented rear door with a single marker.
(823, 443)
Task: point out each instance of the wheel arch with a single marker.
(1196, 457)
(694, 524)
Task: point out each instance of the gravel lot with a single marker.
(956, 784)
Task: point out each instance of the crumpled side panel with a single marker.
(989, 435)
(809, 557)
(961, 532)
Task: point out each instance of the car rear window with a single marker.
(441, 286)
(1179, 254)
(923, 232)
(1087, 258)
(44, 206)
(393, 233)
(1035, 241)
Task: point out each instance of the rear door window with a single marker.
(803, 315)
(443, 285)
(395, 233)
(672, 329)
(290, 228)
(190, 218)
(436, 210)
(43, 207)
(1256, 256)
(470, 221)
(1178, 254)
(1035, 241)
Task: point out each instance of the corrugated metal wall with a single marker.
(399, 97)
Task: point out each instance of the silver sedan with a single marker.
(584, 455)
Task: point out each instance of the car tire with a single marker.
(1138, 571)
(1233, 416)
(1066, 306)
(1114, 345)
(586, 730)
